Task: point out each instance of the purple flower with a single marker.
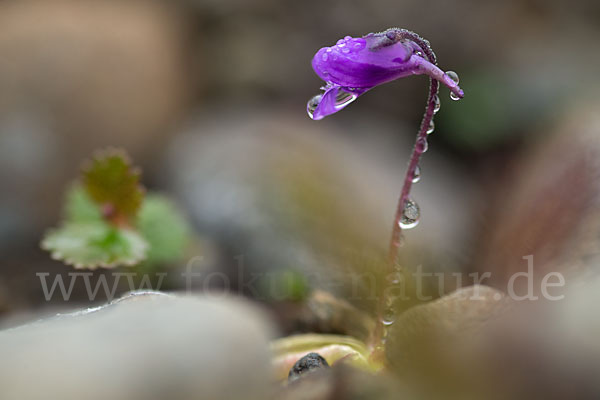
(355, 65)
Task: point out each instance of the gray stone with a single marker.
(151, 346)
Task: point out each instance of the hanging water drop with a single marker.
(410, 215)
(417, 175)
(431, 127)
(454, 76)
(438, 104)
(343, 98)
(389, 316)
(312, 104)
(395, 278)
(422, 146)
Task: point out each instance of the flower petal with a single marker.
(363, 63)
(333, 100)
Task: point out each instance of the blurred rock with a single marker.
(548, 350)
(499, 348)
(146, 346)
(436, 345)
(288, 193)
(75, 76)
(548, 205)
(324, 313)
(3, 298)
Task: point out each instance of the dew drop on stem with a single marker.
(410, 215)
(437, 104)
(395, 278)
(417, 175)
(389, 316)
(431, 127)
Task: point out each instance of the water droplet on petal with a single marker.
(324, 57)
(431, 127)
(422, 146)
(312, 104)
(347, 37)
(438, 104)
(454, 96)
(343, 98)
(453, 75)
(410, 215)
(345, 50)
(417, 175)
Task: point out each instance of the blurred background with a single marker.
(208, 97)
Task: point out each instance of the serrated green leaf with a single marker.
(113, 183)
(95, 244)
(164, 228)
(79, 207)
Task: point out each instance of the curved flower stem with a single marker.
(418, 150)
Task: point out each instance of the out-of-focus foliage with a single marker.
(95, 244)
(165, 229)
(499, 108)
(111, 181)
(287, 284)
(79, 207)
(109, 223)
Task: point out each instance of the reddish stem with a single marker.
(410, 173)
(418, 151)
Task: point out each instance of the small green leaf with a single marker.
(164, 227)
(284, 285)
(79, 207)
(95, 244)
(113, 183)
